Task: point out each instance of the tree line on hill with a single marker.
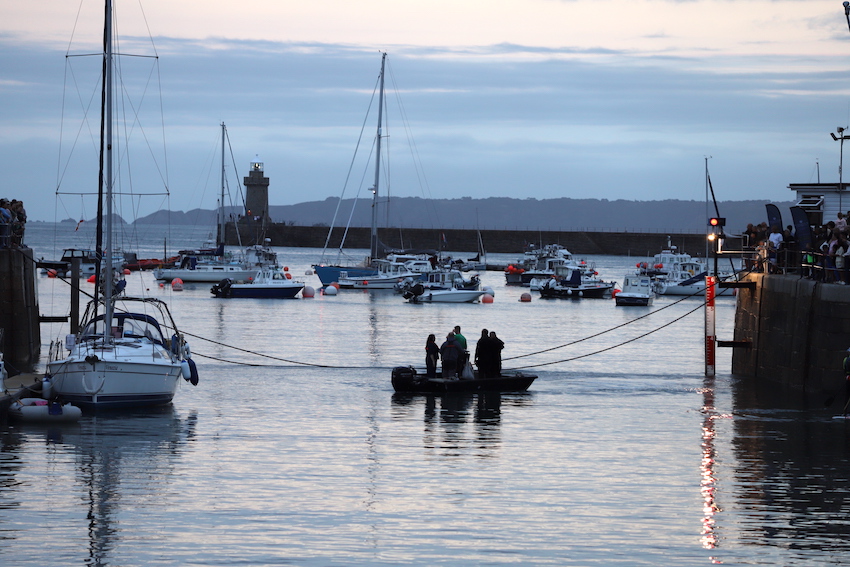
(501, 213)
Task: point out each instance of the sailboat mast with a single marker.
(106, 262)
(373, 252)
(221, 223)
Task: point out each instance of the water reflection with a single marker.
(455, 423)
(121, 454)
(708, 486)
(792, 478)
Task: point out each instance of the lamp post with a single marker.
(847, 12)
(841, 137)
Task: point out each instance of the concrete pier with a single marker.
(19, 313)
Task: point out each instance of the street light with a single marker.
(841, 137)
(847, 12)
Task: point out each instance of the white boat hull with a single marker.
(448, 296)
(133, 373)
(206, 274)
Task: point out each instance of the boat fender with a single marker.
(175, 344)
(185, 370)
(46, 387)
(193, 372)
(187, 352)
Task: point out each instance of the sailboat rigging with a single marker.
(121, 357)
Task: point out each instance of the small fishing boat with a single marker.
(419, 294)
(387, 276)
(637, 290)
(406, 379)
(38, 410)
(440, 279)
(272, 284)
(569, 284)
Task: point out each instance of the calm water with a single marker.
(628, 456)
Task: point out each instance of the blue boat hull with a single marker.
(330, 274)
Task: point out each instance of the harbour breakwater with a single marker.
(798, 329)
(640, 244)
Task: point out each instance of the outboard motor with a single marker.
(222, 288)
(404, 378)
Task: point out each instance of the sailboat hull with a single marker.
(117, 378)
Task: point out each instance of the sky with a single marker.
(505, 98)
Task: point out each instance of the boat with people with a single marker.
(128, 351)
(406, 379)
(267, 283)
(637, 291)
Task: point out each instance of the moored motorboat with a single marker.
(267, 283)
(38, 410)
(571, 285)
(406, 379)
(418, 294)
(637, 291)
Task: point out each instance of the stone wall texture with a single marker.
(799, 330)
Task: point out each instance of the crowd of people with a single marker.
(454, 355)
(13, 219)
(826, 260)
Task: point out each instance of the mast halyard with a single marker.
(373, 251)
(221, 221)
(106, 260)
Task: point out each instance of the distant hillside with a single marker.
(499, 213)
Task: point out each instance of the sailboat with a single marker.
(213, 265)
(329, 274)
(128, 351)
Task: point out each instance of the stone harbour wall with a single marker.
(799, 330)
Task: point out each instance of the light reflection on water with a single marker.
(627, 457)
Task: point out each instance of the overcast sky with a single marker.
(522, 98)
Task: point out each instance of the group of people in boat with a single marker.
(454, 355)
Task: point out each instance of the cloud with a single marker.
(498, 120)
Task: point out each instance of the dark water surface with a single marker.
(625, 457)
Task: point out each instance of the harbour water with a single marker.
(294, 450)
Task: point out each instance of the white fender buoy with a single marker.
(488, 290)
(46, 388)
(331, 290)
(308, 291)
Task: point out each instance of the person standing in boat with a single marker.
(432, 355)
(496, 346)
(461, 341)
(483, 354)
(450, 353)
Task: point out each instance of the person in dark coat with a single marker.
(432, 355)
(496, 353)
(481, 353)
(450, 353)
